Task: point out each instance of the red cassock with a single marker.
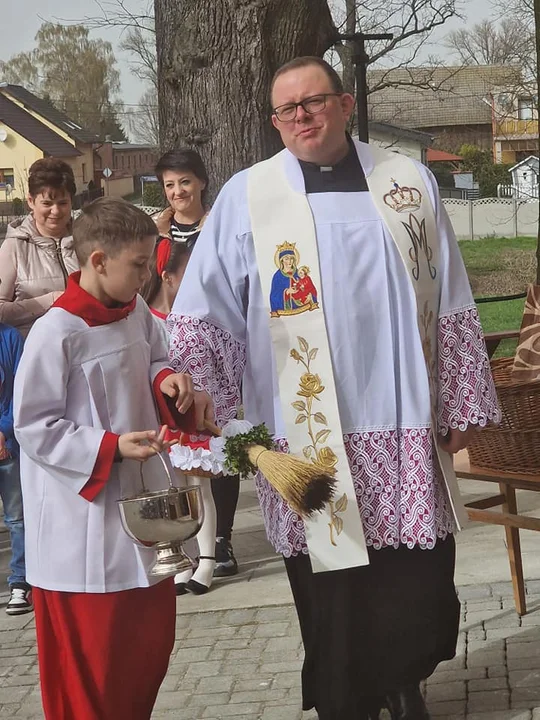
(103, 656)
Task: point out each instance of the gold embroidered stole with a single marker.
(402, 199)
(291, 289)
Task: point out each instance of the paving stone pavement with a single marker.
(245, 664)
(238, 652)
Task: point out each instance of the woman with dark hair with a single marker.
(185, 183)
(184, 179)
(37, 255)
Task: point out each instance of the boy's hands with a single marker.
(179, 386)
(143, 445)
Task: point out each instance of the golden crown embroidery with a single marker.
(403, 199)
(409, 199)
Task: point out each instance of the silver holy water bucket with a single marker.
(163, 520)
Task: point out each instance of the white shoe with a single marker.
(20, 601)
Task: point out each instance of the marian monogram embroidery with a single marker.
(418, 235)
(409, 199)
(292, 291)
(310, 390)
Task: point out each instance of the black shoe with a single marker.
(196, 588)
(226, 564)
(407, 704)
(20, 599)
(374, 706)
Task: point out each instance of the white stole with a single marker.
(402, 199)
(292, 293)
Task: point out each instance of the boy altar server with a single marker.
(87, 395)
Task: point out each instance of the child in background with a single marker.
(11, 346)
(167, 269)
(85, 419)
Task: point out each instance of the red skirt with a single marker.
(104, 656)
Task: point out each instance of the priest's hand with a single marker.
(456, 439)
(179, 386)
(204, 409)
(143, 445)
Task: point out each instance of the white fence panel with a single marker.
(527, 214)
(459, 213)
(492, 217)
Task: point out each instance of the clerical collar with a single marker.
(345, 176)
(78, 302)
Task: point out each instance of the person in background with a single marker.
(167, 268)
(37, 255)
(184, 179)
(11, 345)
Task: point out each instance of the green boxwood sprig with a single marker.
(235, 453)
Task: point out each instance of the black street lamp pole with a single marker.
(360, 60)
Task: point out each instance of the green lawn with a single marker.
(500, 266)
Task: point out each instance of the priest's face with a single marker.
(317, 137)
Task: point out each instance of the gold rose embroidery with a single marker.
(426, 321)
(310, 388)
(336, 523)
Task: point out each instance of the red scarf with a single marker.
(78, 302)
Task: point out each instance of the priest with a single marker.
(381, 379)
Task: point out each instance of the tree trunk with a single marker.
(215, 63)
(537, 26)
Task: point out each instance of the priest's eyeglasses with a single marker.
(311, 105)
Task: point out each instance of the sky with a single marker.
(19, 22)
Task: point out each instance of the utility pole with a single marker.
(360, 60)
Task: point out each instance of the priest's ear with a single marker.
(347, 105)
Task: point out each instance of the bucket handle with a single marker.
(165, 467)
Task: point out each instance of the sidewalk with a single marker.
(238, 652)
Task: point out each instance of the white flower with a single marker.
(236, 427)
(213, 460)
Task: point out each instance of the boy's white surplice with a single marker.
(221, 336)
(74, 383)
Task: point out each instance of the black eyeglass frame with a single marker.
(275, 111)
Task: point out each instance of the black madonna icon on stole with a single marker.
(292, 290)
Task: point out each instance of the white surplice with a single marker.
(74, 383)
(220, 334)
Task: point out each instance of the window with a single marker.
(7, 176)
(129, 161)
(115, 161)
(84, 179)
(525, 108)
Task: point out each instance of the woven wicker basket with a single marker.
(514, 445)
